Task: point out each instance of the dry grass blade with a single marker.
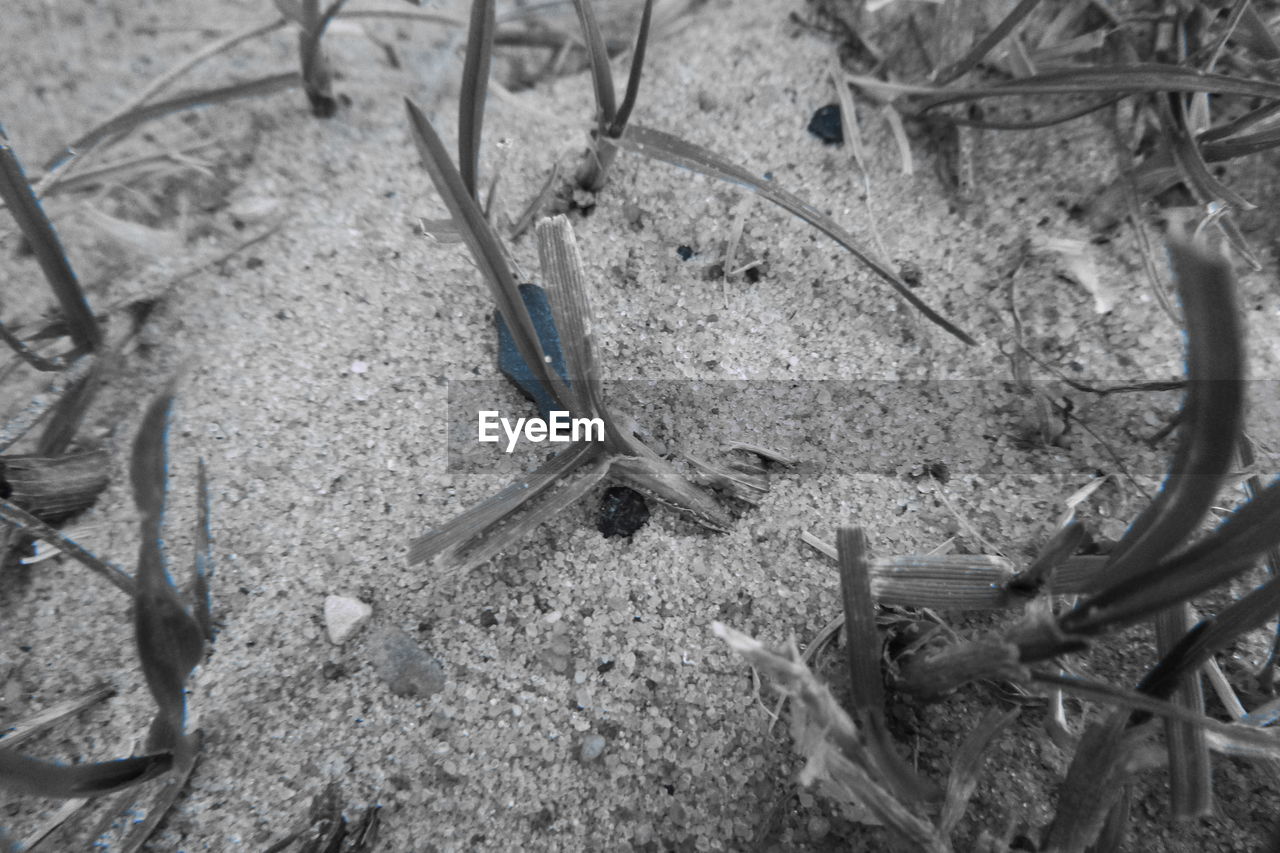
(36, 778)
(484, 248)
(1190, 780)
(601, 73)
(15, 733)
(21, 423)
(16, 192)
(37, 529)
(30, 356)
(983, 46)
(566, 283)
(829, 740)
(170, 640)
(475, 80)
(69, 411)
(671, 149)
(1138, 78)
(1094, 783)
(866, 683)
(967, 764)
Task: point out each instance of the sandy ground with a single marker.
(317, 365)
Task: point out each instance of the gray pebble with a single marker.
(592, 747)
(407, 669)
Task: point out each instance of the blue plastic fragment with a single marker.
(513, 365)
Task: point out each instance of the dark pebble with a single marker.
(825, 125)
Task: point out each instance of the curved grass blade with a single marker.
(37, 778)
(866, 682)
(484, 247)
(601, 73)
(475, 82)
(619, 123)
(16, 192)
(671, 149)
(1236, 546)
(170, 640)
(1214, 413)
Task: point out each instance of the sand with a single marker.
(586, 704)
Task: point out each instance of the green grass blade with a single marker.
(1241, 146)
(69, 411)
(987, 43)
(671, 149)
(170, 641)
(601, 73)
(440, 547)
(1214, 412)
(202, 564)
(475, 84)
(619, 123)
(202, 98)
(184, 761)
(36, 778)
(1190, 161)
(484, 247)
(1138, 78)
(1055, 552)
(16, 192)
(1237, 545)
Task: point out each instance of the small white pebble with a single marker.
(344, 616)
(359, 367)
(592, 747)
